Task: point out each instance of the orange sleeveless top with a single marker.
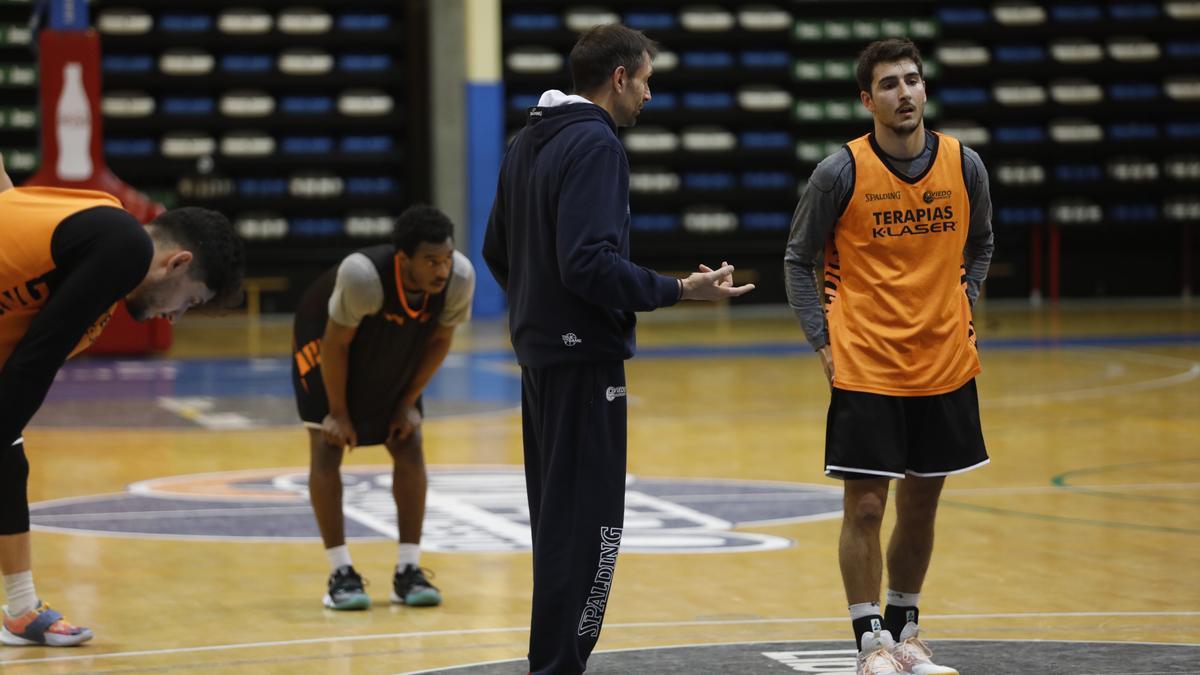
(28, 218)
(895, 285)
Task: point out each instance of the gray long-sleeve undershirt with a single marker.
(829, 190)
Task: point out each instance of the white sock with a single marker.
(339, 556)
(900, 599)
(18, 588)
(410, 554)
(864, 609)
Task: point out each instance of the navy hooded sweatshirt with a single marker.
(557, 241)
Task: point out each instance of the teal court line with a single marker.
(1060, 481)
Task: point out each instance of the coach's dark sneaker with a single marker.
(410, 587)
(346, 590)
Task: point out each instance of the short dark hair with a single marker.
(601, 49)
(219, 254)
(421, 223)
(885, 51)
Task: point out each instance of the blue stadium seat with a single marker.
(663, 101)
(766, 220)
(764, 140)
(1133, 131)
(306, 145)
(371, 185)
(1029, 133)
(655, 222)
(963, 95)
(361, 22)
(1133, 11)
(1019, 53)
(364, 63)
(376, 144)
(708, 100)
(765, 59)
(768, 180)
(1182, 130)
(247, 63)
(1078, 173)
(1181, 49)
(1134, 91)
(1020, 215)
(172, 22)
(129, 147)
(707, 59)
(534, 21)
(306, 105)
(262, 187)
(133, 63)
(187, 105)
(1076, 13)
(315, 227)
(709, 180)
(647, 20)
(1133, 212)
(963, 16)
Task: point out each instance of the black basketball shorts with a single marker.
(370, 417)
(878, 436)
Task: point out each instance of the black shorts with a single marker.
(370, 418)
(873, 436)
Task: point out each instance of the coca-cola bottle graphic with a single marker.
(74, 119)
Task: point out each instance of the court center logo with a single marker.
(468, 509)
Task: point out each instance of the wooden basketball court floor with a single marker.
(1085, 526)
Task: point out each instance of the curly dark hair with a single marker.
(885, 51)
(601, 49)
(219, 254)
(421, 223)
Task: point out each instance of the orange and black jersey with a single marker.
(905, 243)
(66, 258)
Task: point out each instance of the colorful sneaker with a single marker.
(41, 626)
(346, 590)
(410, 587)
(912, 653)
(875, 656)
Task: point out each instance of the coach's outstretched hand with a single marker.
(5, 181)
(710, 284)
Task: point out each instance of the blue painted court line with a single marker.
(788, 348)
(482, 376)
(466, 377)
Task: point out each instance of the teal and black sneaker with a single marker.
(346, 590)
(410, 587)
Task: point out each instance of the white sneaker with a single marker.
(875, 656)
(914, 656)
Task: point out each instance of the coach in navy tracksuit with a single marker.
(558, 242)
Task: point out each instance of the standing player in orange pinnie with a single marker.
(902, 217)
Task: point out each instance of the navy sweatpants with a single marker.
(573, 420)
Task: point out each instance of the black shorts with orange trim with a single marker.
(370, 414)
(878, 436)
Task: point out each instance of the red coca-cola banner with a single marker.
(72, 156)
(68, 59)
